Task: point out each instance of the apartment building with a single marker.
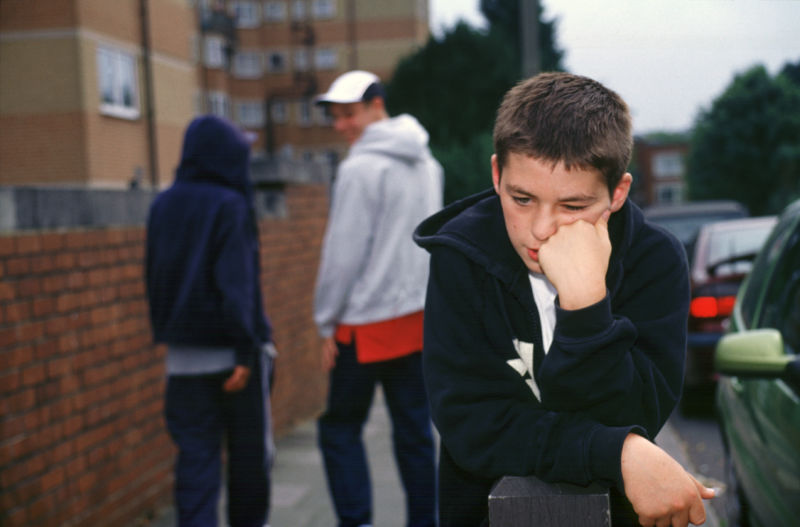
(94, 93)
(97, 94)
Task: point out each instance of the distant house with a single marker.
(660, 162)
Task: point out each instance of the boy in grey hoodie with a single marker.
(370, 295)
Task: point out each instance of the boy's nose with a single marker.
(543, 226)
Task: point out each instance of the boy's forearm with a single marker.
(617, 368)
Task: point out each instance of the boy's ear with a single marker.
(621, 192)
(495, 174)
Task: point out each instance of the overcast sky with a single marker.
(667, 58)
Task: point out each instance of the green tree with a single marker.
(454, 85)
(747, 145)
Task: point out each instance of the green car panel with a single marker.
(758, 395)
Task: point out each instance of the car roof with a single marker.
(740, 223)
(687, 208)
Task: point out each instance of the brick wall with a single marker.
(82, 439)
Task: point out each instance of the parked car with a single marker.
(685, 219)
(758, 393)
(723, 255)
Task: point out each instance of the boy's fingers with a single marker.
(697, 513)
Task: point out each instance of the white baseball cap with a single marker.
(348, 87)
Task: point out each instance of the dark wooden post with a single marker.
(530, 502)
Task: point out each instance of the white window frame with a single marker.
(275, 11)
(279, 111)
(214, 52)
(250, 113)
(323, 9)
(321, 115)
(299, 9)
(248, 64)
(118, 83)
(326, 59)
(668, 164)
(269, 67)
(305, 116)
(247, 13)
(219, 104)
(300, 60)
(669, 192)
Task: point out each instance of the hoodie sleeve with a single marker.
(488, 418)
(347, 241)
(236, 275)
(621, 361)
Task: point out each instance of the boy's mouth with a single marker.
(534, 254)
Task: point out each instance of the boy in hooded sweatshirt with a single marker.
(369, 298)
(555, 323)
(202, 276)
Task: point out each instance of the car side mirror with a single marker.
(755, 353)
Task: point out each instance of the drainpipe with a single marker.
(148, 94)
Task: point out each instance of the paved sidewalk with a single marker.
(300, 494)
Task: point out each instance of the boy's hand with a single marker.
(661, 491)
(329, 353)
(238, 379)
(575, 260)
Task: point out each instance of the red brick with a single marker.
(65, 261)
(18, 311)
(18, 266)
(19, 402)
(52, 241)
(68, 302)
(28, 287)
(17, 517)
(43, 307)
(7, 291)
(28, 244)
(7, 245)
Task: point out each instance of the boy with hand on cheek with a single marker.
(555, 320)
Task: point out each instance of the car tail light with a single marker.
(711, 306)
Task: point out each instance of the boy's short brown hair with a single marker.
(561, 117)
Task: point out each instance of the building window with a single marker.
(116, 73)
(276, 61)
(219, 104)
(322, 9)
(668, 164)
(669, 193)
(275, 11)
(304, 117)
(325, 59)
(247, 14)
(322, 116)
(298, 9)
(247, 64)
(279, 111)
(250, 114)
(215, 52)
(328, 157)
(301, 59)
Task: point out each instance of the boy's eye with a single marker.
(521, 200)
(574, 208)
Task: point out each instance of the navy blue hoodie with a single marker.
(202, 262)
(613, 368)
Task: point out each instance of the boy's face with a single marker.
(351, 119)
(537, 199)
